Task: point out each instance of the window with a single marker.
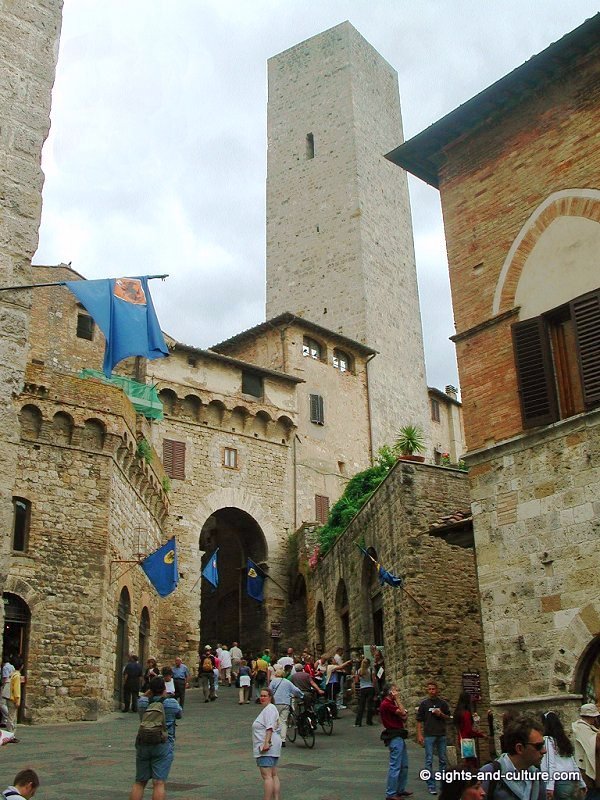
(310, 146)
(230, 457)
(22, 513)
(316, 409)
(85, 327)
(174, 459)
(557, 358)
(435, 409)
(321, 508)
(312, 348)
(342, 361)
(252, 384)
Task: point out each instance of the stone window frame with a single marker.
(317, 412)
(21, 524)
(174, 459)
(435, 409)
(342, 360)
(230, 458)
(85, 326)
(313, 348)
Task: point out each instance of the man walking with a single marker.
(236, 657)
(132, 676)
(518, 767)
(586, 733)
(206, 674)
(10, 698)
(24, 785)
(7, 671)
(154, 760)
(432, 716)
(181, 675)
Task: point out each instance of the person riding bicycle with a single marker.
(303, 681)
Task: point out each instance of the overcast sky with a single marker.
(156, 160)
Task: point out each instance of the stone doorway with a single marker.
(590, 673)
(15, 639)
(227, 613)
(122, 649)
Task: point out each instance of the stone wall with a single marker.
(432, 628)
(29, 36)
(339, 238)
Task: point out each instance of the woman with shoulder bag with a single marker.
(393, 717)
(467, 731)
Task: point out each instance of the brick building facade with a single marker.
(518, 168)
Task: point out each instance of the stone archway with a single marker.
(227, 613)
(577, 651)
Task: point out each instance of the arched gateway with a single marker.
(227, 613)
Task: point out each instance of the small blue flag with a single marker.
(210, 571)
(255, 581)
(384, 575)
(123, 310)
(161, 568)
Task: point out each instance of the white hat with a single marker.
(589, 710)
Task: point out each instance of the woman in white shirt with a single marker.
(266, 745)
(564, 779)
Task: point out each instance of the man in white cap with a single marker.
(586, 734)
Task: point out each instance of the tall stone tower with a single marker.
(339, 240)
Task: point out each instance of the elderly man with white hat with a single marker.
(586, 734)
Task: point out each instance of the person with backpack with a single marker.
(155, 740)
(516, 773)
(206, 675)
(24, 785)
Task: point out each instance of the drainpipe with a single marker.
(369, 359)
(295, 487)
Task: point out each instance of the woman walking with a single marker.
(266, 745)
(558, 759)
(366, 692)
(465, 725)
(393, 718)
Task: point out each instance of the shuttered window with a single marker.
(316, 409)
(557, 358)
(174, 459)
(321, 508)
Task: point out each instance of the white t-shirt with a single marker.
(225, 659)
(286, 660)
(170, 686)
(236, 653)
(268, 719)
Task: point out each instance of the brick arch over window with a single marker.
(567, 203)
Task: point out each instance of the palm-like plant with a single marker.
(411, 440)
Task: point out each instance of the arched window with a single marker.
(22, 513)
(312, 348)
(342, 361)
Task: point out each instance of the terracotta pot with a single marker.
(419, 459)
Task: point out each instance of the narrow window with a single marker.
(310, 146)
(230, 457)
(22, 513)
(252, 384)
(316, 409)
(85, 327)
(174, 459)
(435, 409)
(321, 508)
(312, 348)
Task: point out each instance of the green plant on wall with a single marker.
(166, 484)
(144, 450)
(411, 440)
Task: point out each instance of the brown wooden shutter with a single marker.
(316, 409)
(585, 311)
(321, 508)
(534, 373)
(174, 459)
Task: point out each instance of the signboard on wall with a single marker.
(276, 630)
(471, 682)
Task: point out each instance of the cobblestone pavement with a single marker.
(213, 758)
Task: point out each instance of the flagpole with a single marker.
(406, 592)
(59, 283)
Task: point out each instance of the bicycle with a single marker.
(301, 722)
(324, 716)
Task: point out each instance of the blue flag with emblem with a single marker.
(255, 581)
(123, 310)
(161, 568)
(210, 571)
(384, 575)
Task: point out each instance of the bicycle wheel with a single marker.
(306, 731)
(326, 722)
(292, 727)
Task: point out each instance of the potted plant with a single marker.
(410, 443)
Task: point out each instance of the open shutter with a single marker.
(534, 373)
(316, 409)
(585, 311)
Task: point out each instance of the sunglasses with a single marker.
(539, 746)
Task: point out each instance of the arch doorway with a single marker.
(590, 673)
(372, 610)
(227, 613)
(342, 608)
(122, 649)
(15, 639)
(296, 615)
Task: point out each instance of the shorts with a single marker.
(153, 761)
(267, 761)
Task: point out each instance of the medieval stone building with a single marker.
(518, 169)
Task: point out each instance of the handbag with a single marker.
(467, 748)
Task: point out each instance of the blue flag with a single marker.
(210, 571)
(255, 581)
(384, 575)
(161, 568)
(122, 308)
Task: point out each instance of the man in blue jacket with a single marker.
(154, 760)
